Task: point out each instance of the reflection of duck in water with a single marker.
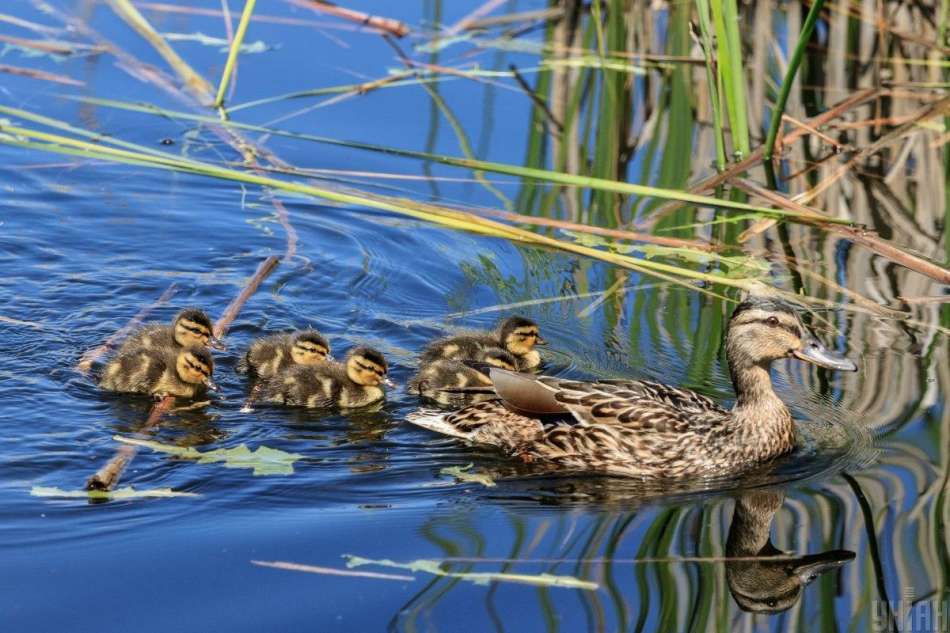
(765, 579)
(645, 429)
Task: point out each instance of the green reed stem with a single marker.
(730, 67)
(810, 20)
(233, 53)
(706, 40)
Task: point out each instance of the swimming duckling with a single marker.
(436, 376)
(190, 328)
(185, 373)
(353, 383)
(273, 354)
(645, 429)
(516, 334)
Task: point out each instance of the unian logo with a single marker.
(912, 615)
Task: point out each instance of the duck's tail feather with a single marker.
(435, 420)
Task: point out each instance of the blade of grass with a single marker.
(136, 20)
(233, 53)
(544, 175)
(793, 63)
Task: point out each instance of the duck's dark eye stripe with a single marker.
(794, 330)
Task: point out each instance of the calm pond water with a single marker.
(86, 244)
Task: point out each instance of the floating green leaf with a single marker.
(479, 578)
(462, 474)
(122, 493)
(263, 460)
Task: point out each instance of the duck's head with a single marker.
(194, 328)
(519, 335)
(767, 585)
(309, 347)
(195, 366)
(365, 366)
(765, 330)
(498, 357)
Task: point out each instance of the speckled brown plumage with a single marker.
(515, 335)
(273, 354)
(326, 385)
(155, 371)
(647, 429)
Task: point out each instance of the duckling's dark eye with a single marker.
(773, 321)
(771, 602)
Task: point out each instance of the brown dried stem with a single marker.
(384, 25)
(87, 359)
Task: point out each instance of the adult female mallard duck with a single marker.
(185, 373)
(646, 429)
(354, 383)
(445, 381)
(273, 354)
(190, 328)
(516, 335)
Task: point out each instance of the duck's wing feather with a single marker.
(680, 398)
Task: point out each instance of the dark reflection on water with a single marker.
(85, 246)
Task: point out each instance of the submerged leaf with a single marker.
(122, 493)
(263, 460)
(479, 578)
(462, 474)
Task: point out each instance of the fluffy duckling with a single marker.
(190, 328)
(517, 335)
(185, 373)
(353, 383)
(274, 354)
(435, 377)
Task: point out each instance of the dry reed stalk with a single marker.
(384, 25)
(41, 75)
(108, 476)
(710, 183)
(860, 236)
(87, 359)
(937, 108)
(619, 234)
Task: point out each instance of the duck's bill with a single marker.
(217, 344)
(540, 341)
(810, 567)
(814, 352)
(389, 382)
(211, 385)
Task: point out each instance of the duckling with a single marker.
(516, 334)
(189, 328)
(647, 429)
(353, 383)
(761, 578)
(185, 373)
(273, 354)
(436, 376)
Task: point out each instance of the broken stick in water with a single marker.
(91, 356)
(108, 476)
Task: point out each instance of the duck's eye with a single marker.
(771, 602)
(773, 321)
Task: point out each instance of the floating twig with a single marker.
(385, 25)
(41, 75)
(91, 356)
(329, 571)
